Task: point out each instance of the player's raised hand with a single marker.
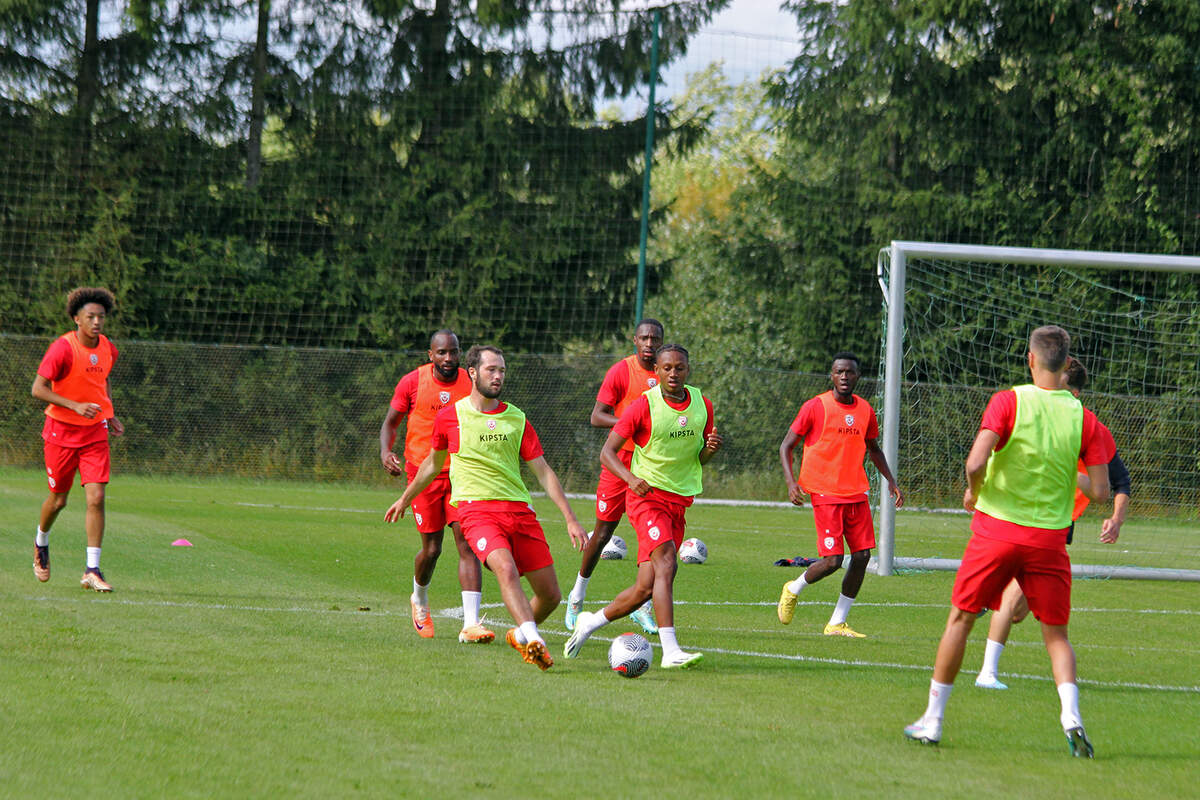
(396, 511)
(714, 440)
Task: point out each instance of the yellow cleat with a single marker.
(787, 604)
(842, 629)
(475, 634)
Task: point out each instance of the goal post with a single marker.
(991, 296)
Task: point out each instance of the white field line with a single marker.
(456, 613)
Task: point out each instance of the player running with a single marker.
(1013, 606)
(420, 395)
(624, 382)
(674, 434)
(73, 380)
(489, 439)
(838, 428)
(1020, 485)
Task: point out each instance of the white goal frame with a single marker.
(893, 291)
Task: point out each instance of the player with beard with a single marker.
(624, 382)
(489, 439)
(838, 428)
(674, 435)
(419, 396)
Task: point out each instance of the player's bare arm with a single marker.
(976, 466)
(712, 443)
(428, 470)
(387, 440)
(1097, 491)
(604, 416)
(554, 491)
(880, 462)
(609, 458)
(1110, 529)
(786, 448)
(42, 391)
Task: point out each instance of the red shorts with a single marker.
(838, 521)
(610, 491)
(1044, 575)
(516, 531)
(431, 508)
(92, 461)
(655, 521)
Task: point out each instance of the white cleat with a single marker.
(989, 682)
(575, 643)
(925, 731)
(682, 660)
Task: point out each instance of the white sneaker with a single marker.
(925, 730)
(681, 660)
(575, 643)
(989, 682)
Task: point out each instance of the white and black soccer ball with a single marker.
(693, 551)
(615, 550)
(630, 655)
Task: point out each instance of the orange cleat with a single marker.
(537, 654)
(511, 638)
(475, 634)
(93, 579)
(422, 621)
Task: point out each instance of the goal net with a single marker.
(957, 329)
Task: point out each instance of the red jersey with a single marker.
(420, 395)
(83, 380)
(834, 445)
(445, 437)
(1096, 447)
(634, 426)
(624, 382)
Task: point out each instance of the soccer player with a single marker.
(1013, 606)
(1020, 485)
(489, 439)
(420, 395)
(674, 434)
(73, 380)
(838, 428)
(624, 382)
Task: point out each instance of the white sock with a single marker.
(939, 693)
(841, 609)
(991, 659)
(797, 586)
(43, 537)
(579, 591)
(471, 602)
(666, 637)
(93, 558)
(1068, 693)
(592, 622)
(529, 632)
(420, 594)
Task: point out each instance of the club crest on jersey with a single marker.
(443, 397)
(653, 533)
(849, 419)
(491, 424)
(652, 382)
(94, 359)
(682, 421)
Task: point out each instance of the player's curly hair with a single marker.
(846, 355)
(1077, 376)
(475, 354)
(78, 298)
(672, 348)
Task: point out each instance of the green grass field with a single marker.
(275, 657)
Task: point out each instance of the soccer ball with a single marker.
(615, 550)
(693, 551)
(630, 655)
